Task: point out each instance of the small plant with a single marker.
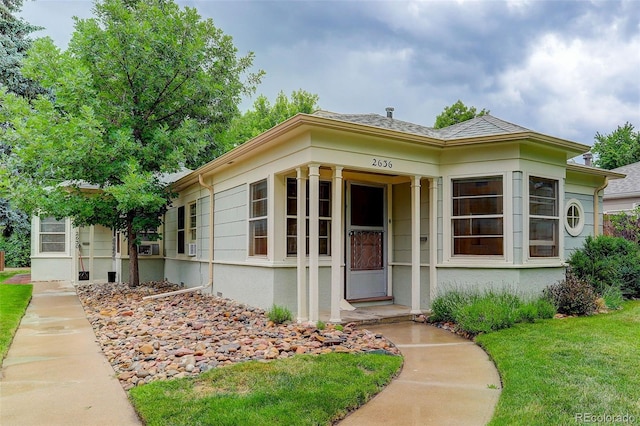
(546, 309)
(572, 296)
(320, 325)
(528, 312)
(489, 312)
(445, 308)
(279, 314)
(612, 297)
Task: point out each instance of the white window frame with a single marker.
(64, 233)
(574, 228)
(528, 217)
(289, 217)
(506, 199)
(258, 218)
(193, 221)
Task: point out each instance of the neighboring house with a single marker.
(623, 194)
(328, 208)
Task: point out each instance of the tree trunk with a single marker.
(134, 275)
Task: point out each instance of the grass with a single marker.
(301, 390)
(13, 302)
(556, 370)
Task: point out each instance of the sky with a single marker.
(567, 69)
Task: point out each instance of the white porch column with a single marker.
(314, 234)
(415, 245)
(91, 253)
(301, 222)
(433, 238)
(336, 245)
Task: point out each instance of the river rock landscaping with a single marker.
(186, 334)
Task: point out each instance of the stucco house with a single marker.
(326, 210)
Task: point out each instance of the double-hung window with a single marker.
(324, 212)
(478, 216)
(52, 235)
(258, 218)
(543, 217)
(193, 222)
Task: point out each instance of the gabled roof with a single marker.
(627, 187)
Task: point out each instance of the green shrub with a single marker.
(279, 314)
(528, 312)
(572, 296)
(545, 308)
(490, 312)
(445, 308)
(606, 262)
(17, 250)
(540, 308)
(612, 297)
(321, 325)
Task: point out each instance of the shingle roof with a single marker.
(486, 125)
(629, 185)
(376, 120)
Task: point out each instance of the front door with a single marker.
(366, 266)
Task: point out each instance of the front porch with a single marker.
(373, 228)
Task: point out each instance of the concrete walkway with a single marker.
(55, 372)
(445, 380)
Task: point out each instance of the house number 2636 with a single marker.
(385, 164)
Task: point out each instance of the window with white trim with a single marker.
(258, 218)
(477, 220)
(324, 212)
(574, 217)
(52, 235)
(193, 222)
(543, 217)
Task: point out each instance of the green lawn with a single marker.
(570, 370)
(302, 390)
(13, 302)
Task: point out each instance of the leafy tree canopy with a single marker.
(618, 148)
(457, 113)
(141, 91)
(264, 116)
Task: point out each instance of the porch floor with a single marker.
(374, 314)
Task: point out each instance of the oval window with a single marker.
(574, 217)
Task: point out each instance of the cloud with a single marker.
(566, 68)
(577, 83)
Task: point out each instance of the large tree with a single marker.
(264, 116)
(14, 43)
(457, 113)
(618, 148)
(141, 91)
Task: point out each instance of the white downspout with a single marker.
(210, 283)
(596, 204)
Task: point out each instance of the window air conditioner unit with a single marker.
(192, 249)
(149, 249)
